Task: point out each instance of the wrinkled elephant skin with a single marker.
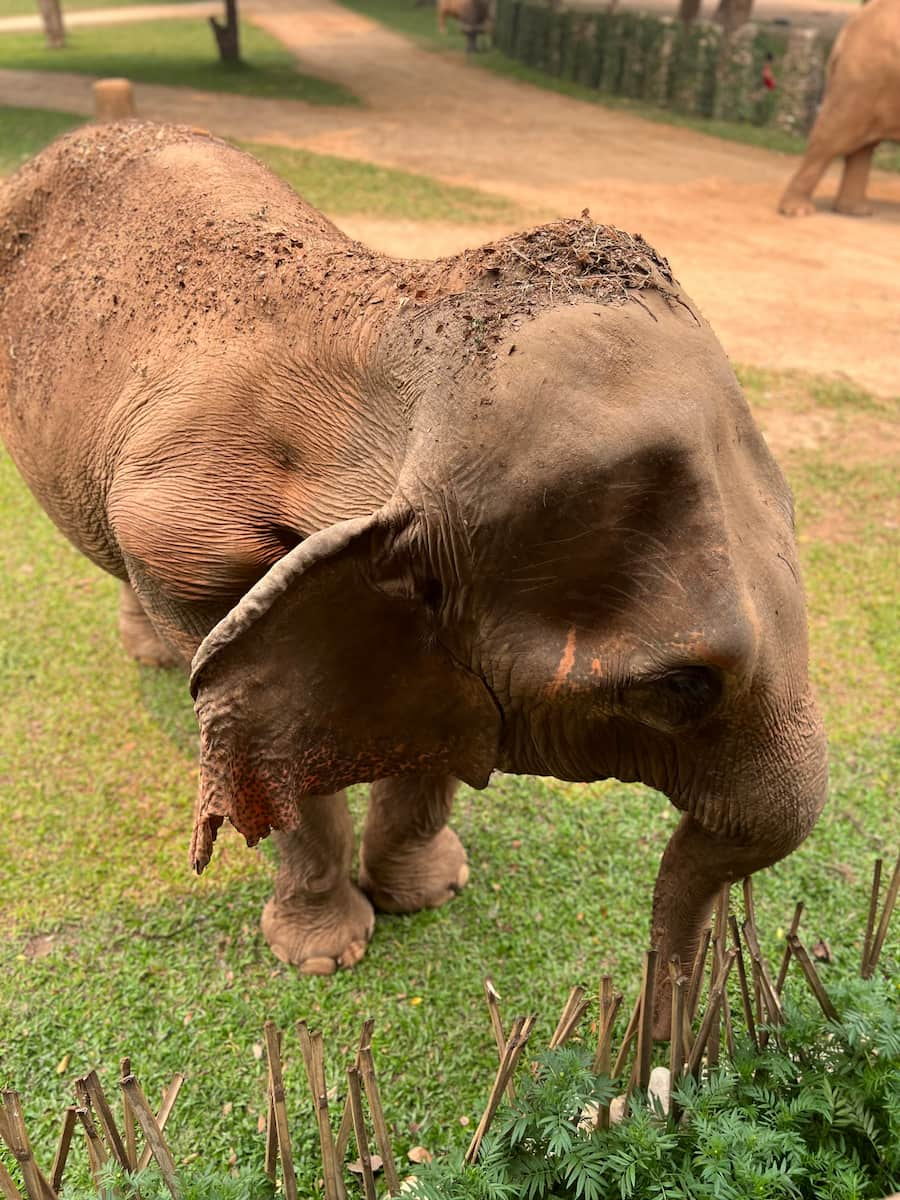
(860, 108)
(408, 522)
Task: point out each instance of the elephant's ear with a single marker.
(328, 673)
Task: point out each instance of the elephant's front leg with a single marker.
(318, 920)
(851, 199)
(409, 858)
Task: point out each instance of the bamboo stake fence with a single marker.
(694, 1043)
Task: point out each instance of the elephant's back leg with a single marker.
(837, 133)
(139, 635)
(410, 858)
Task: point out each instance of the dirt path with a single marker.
(822, 294)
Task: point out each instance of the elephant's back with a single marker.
(122, 249)
(867, 49)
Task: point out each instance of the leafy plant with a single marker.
(816, 1117)
(195, 1183)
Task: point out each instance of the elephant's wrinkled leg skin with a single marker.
(138, 636)
(694, 867)
(409, 858)
(318, 920)
(851, 199)
(797, 200)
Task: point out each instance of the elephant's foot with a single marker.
(139, 638)
(318, 934)
(403, 879)
(858, 209)
(796, 206)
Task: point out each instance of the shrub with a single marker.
(814, 1118)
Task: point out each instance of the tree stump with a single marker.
(113, 100)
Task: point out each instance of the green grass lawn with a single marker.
(420, 23)
(342, 186)
(338, 186)
(15, 8)
(97, 777)
(27, 130)
(179, 53)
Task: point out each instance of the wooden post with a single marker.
(276, 1094)
(113, 100)
(153, 1134)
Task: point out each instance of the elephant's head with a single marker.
(587, 570)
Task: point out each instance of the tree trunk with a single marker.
(54, 30)
(227, 34)
(731, 14)
(688, 11)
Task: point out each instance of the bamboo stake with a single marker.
(627, 1039)
(16, 1137)
(7, 1186)
(360, 1132)
(314, 1058)
(711, 1016)
(746, 1003)
(100, 1105)
(492, 996)
(749, 902)
(61, 1157)
(870, 918)
(573, 1010)
(676, 1044)
(165, 1111)
(812, 978)
(645, 1024)
(276, 1091)
(271, 1157)
(152, 1131)
(346, 1126)
(379, 1124)
(786, 957)
(715, 966)
(609, 1011)
(518, 1039)
(761, 974)
(886, 914)
(128, 1119)
(97, 1155)
(697, 969)
(610, 1003)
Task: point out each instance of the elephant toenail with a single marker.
(318, 966)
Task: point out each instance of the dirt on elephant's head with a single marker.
(498, 286)
(571, 259)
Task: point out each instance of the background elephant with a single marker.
(861, 108)
(410, 522)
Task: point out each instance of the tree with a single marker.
(688, 10)
(227, 34)
(731, 14)
(54, 30)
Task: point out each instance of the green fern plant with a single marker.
(814, 1118)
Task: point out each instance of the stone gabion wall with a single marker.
(691, 69)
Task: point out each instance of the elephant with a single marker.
(860, 108)
(474, 16)
(408, 523)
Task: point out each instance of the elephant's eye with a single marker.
(678, 698)
(691, 692)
